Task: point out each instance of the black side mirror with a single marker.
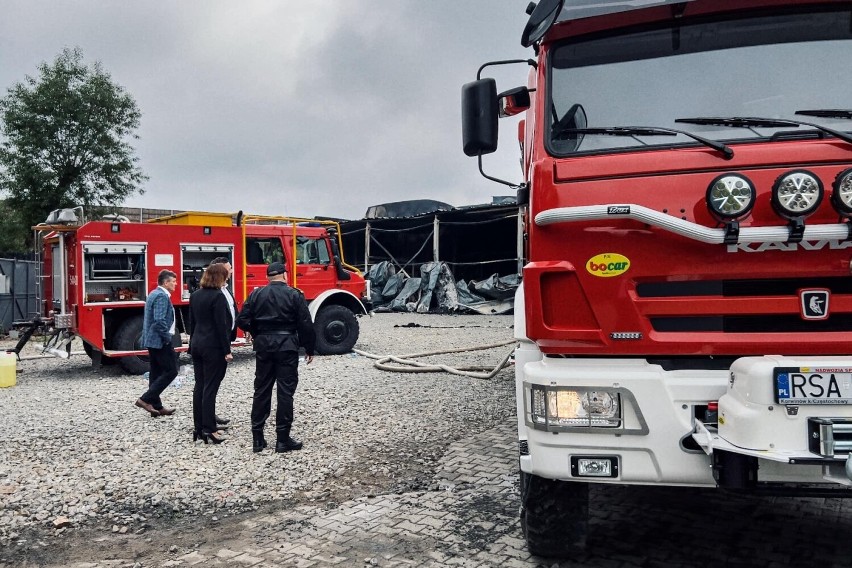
(574, 119)
(513, 101)
(479, 117)
(342, 273)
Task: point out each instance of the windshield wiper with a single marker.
(827, 113)
(645, 131)
(736, 122)
(755, 122)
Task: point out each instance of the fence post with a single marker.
(366, 247)
(436, 239)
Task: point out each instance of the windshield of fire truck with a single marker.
(767, 66)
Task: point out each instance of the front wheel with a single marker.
(337, 330)
(554, 515)
(129, 338)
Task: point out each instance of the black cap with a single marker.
(275, 269)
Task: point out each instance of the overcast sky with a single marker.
(320, 107)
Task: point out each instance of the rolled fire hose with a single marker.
(474, 372)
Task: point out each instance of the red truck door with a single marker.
(260, 252)
(314, 269)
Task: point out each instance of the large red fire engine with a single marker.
(97, 274)
(686, 310)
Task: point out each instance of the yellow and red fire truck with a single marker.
(97, 274)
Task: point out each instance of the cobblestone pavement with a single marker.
(471, 520)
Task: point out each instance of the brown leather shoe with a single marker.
(166, 411)
(147, 407)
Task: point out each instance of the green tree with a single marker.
(14, 233)
(66, 140)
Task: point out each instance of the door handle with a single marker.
(249, 275)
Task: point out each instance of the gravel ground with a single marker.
(74, 445)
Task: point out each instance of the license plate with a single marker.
(813, 385)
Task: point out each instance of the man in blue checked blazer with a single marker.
(158, 330)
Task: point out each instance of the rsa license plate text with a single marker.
(813, 385)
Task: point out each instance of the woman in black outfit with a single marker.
(210, 347)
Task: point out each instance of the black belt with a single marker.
(282, 332)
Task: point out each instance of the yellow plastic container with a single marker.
(8, 366)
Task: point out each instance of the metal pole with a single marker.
(401, 267)
(295, 253)
(366, 247)
(38, 269)
(14, 286)
(436, 240)
(30, 303)
(63, 274)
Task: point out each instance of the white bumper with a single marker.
(654, 443)
(658, 410)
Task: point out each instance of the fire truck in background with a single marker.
(96, 276)
(685, 317)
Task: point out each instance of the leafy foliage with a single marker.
(66, 140)
(14, 233)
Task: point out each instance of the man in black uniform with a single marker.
(278, 319)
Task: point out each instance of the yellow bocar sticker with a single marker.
(608, 264)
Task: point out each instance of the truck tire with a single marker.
(129, 338)
(337, 330)
(554, 515)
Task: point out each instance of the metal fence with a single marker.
(18, 297)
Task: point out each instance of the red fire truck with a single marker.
(685, 317)
(97, 274)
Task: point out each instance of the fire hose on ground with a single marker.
(407, 365)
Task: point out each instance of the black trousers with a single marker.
(279, 368)
(164, 369)
(209, 368)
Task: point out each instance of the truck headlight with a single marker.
(730, 196)
(842, 196)
(574, 407)
(796, 194)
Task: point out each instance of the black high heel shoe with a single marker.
(214, 438)
(196, 435)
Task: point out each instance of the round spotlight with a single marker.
(796, 194)
(730, 196)
(842, 195)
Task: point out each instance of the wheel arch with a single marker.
(337, 298)
(114, 319)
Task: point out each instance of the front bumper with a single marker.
(660, 440)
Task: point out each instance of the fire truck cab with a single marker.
(97, 274)
(685, 317)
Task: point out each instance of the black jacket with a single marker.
(271, 312)
(209, 322)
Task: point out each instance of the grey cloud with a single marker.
(319, 108)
